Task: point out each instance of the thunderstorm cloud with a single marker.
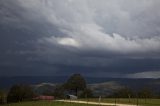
(118, 38)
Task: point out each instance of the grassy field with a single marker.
(148, 102)
(45, 103)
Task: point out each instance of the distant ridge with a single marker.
(6, 82)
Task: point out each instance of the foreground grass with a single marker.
(148, 102)
(45, 103)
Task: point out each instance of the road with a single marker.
(95, 103)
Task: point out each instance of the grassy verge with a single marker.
(45, 103)
(147, 102)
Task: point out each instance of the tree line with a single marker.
(75, 85)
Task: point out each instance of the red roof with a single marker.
(44, 97)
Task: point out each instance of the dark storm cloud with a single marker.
(95, 38)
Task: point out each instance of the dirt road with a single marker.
(96, 103)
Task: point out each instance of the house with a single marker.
(42, 97)
(72, 97)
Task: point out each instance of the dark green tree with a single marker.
(19, 93)
(59, 91)
(87, 93)
(76, 83)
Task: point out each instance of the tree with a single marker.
(145, 93)
(59, 91)
(125, 93)
(2, 97)
(75, 83)
(19, 93)
(87, 93)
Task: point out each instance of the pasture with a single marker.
(147, 102)
(141, 102)
(45, 103)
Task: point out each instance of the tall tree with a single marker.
(19, 93)
(76, 82)
(87, 93)
(59, 92)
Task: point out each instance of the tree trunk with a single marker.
(77, 92)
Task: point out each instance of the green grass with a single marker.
(149, 102)
(45, 103)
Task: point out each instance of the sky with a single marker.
(96, 38)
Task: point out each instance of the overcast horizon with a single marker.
(97, 38)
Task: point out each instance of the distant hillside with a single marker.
(105, 88)
(108, 87)
(6, 82)
(43, 88)
(97, 84)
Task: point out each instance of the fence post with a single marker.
(137, 101)
(115, 101)
(99, 100)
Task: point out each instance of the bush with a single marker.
(19, 93)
